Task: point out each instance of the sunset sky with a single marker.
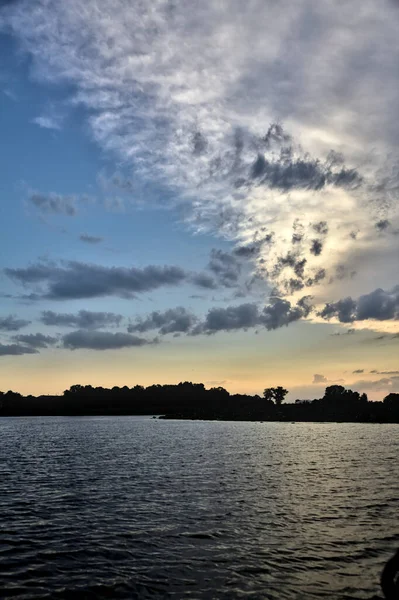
(203, 191)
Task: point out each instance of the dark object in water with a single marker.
(389, 580)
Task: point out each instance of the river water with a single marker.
(127, 507)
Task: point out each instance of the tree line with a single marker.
(189, 400)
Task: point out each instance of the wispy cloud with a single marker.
(56, 204)
(84, 319)
(48, 122)
(12, 323)
(90, 239)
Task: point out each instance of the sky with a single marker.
(203, 191)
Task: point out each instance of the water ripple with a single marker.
(127, 507)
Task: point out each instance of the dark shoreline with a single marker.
(192, 401)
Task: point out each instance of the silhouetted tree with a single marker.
(277, 394)
(392, 400)
(268, 394)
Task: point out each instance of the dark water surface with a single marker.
(125, 507)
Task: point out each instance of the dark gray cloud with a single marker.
(299, 267)
(16, 350)
(204, 280)
(199, 143)
(84, 319)
(281, 312)
(289, 260)
(379, 304)
(343, 309)
(54, 203)
(316, 247)
(277, 314)
(232, 317)
(36, 340)
(321, 227)
(358, 371)
(90, 239)
(294, 285)
(251, 250)
(173, 320)
(382, 225)
(81, 280)
(318, 276)
(287, 174)
(225, 266)
(12, 323)
(4, 3)
(287, 171)
(100, 340)
(384, 372)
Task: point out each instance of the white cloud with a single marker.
(47, 122)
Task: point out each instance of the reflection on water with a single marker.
(124, 507)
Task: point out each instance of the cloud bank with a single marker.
(84, 319)
(101, 340)
(380, 305)
(77, 280)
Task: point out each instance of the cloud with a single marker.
(55, 204)
(225, 266)
(385, 384)
(84, 319)
(174, 320)
(358, 371)
(74, 280)
(379, 305)
(16, 350)
(115, 204)
(36, 340)
(232, 317)
(348, 332)
(204, 280)
(384, 372)
(101, 340)
(90, 239)
(317, 378)
(382, 225)
(12, 323)
(316, 247)
(277, 314)
(204, 125)
(48, 122)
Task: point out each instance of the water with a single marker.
(125, 507)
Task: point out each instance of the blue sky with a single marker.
(207, 194)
